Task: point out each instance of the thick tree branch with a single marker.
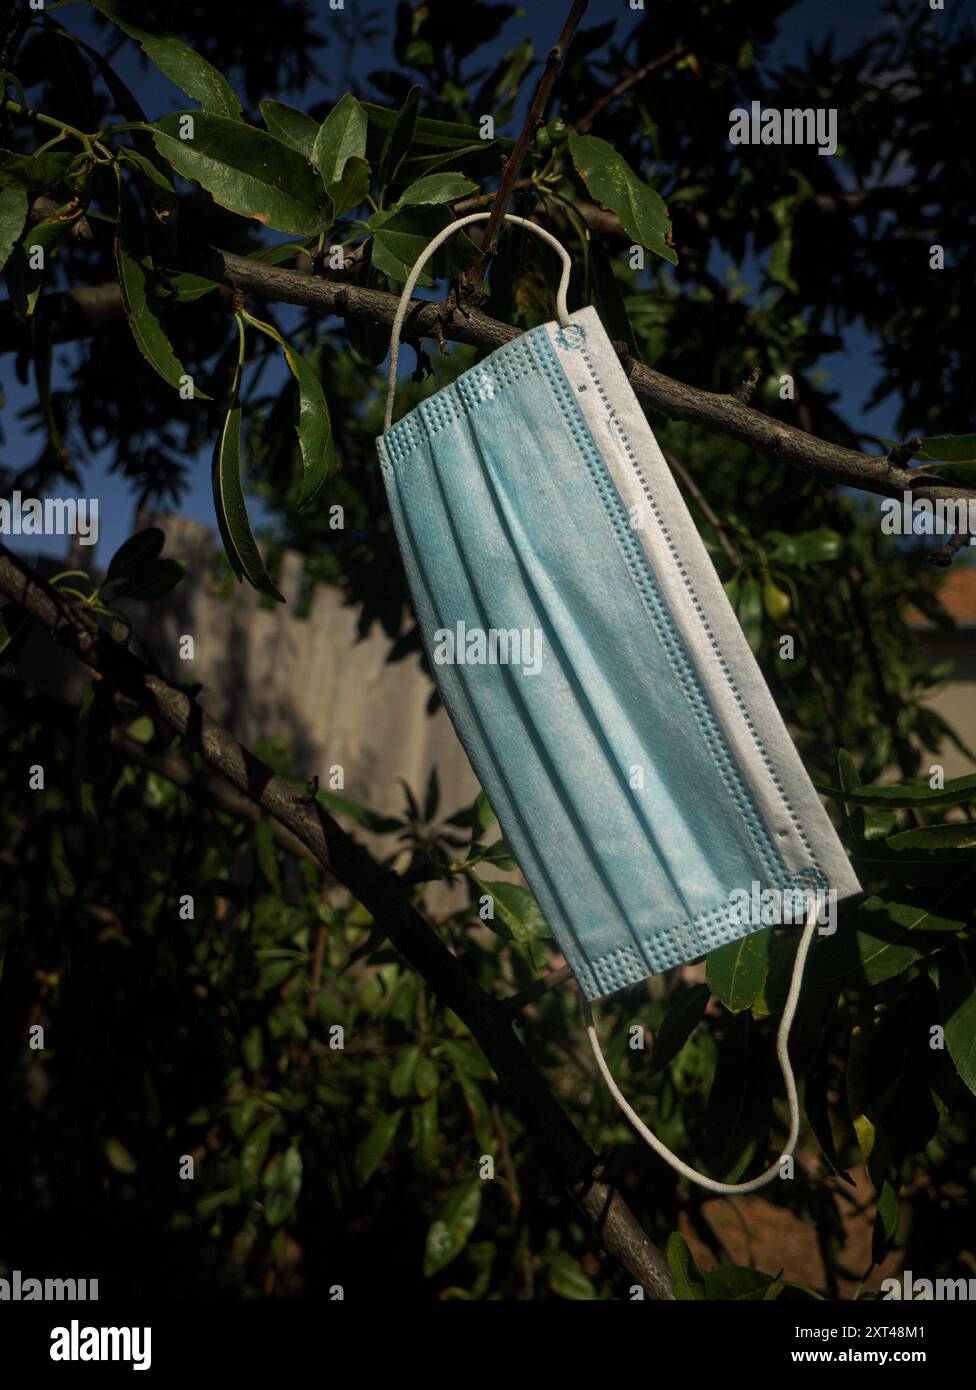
(830, 464)
(566, 1152)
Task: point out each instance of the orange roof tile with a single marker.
(958, 596)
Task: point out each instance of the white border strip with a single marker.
(707, 622)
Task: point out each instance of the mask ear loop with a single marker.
(424, 257)
(782, 1054)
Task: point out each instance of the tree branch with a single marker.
(585, 122)
(567, 1154)
(830, 464)
(472, 280)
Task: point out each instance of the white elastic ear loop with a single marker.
(422, 260)
(782, 1054)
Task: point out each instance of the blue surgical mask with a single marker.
(593, 667)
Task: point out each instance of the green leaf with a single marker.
(957, 1007)
(400, 236)
(847, 773)
(228, 1196)
(426, 1078)
(611, 182)
(516, 911)
(313, 426)
(482, 817)
(426, 1138)
(341, 805)
(247, 171)
(283, 1185)
(376, 1145)
(152, 581)
(886, 1221)
(34, 172)
(749, 610)
(567, 1280)
(118, 1156)
(140, 295)
(431, 133)
(954, 835)
(961, 474)
(449, 1234)
(252, 1048)
(477, 1107)
(291, 126)
(889, 1078)
(884, 935)
(817, 547)
(469, 1057)
(738, 1283)
(779, 258)
(141, 729)
(352, 189)
(874, 861)
(685, 1274)
(157, 182)
(401, 1082)
(436, 188)
(254, 1152)
(737, 972)
(948, 448)
(341, 136)
(136, 552)
(501, 89)
(25, 280)
(13, 215)
(955, 791)
(399, 137)
(685, 1012)
(181, 64)
(235, 530)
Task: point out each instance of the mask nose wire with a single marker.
(422, 260)
(782, 1054)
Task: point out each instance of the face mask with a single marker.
(594, 670)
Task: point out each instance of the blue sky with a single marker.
(852, 372)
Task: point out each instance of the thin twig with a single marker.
(473, 279)
(695, 492)
(748, 387)
(901, 453)
(944, 557)
(586, 120)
